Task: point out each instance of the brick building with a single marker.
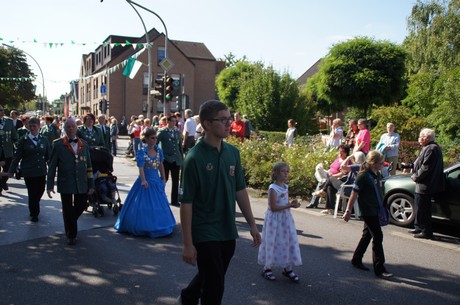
(194, 66)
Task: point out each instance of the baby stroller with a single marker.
(104, 182)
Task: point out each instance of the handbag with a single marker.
(383, 213)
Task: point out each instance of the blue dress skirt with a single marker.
(146, 211)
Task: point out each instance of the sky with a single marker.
(290, 35)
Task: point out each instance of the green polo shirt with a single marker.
(367, 200)
(210, 181)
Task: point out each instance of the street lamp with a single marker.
(41, 72)
(132, 3)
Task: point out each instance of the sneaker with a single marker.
(326, 212)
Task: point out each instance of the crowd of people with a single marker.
(207, 182)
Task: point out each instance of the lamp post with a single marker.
(132, 3)
(41, 72)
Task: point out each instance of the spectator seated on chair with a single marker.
(328, 180)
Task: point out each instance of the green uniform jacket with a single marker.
(106, 136)
(52, 132)
(8, 136)
(95, 139)
(33, 157)
(74, 171)
(22, 132)
(171, 144)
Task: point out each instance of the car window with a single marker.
(454, 174)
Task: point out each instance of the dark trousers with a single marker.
(73, 206)
(5, 169)
(114, 147)
(174, 169)
(189, 143)
(422, 210)
(213, 258)
(35, 189)
(331, 196)
(372, 230)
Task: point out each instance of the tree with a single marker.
(360, 72)
(433, 47)
(19, 89)
(268, 98)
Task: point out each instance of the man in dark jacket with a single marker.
(429, 178)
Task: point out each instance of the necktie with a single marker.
(74, 140)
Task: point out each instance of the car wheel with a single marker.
(401, 208)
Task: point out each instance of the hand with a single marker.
(10, 175)
(145, 183)
(295, 204)
(189, 255)
(49, 193)
(346, 216)
(90, 191)
(256, 238)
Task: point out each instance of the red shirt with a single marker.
(237, 129)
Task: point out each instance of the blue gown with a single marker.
(146, 211)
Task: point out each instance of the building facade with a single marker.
(101, 76)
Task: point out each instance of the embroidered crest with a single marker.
(209, 167)
(232, 170)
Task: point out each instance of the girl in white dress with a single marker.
(280, 247)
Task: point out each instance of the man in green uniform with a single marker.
(170, 142)
(212, 181)
(70, 156)
(50, 130)
(8, 137)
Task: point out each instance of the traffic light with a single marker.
(159, 89)
(100, 105)
(169, 88)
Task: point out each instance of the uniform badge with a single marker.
(209, 167)
(232, 170)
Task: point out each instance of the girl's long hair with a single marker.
(373, 157)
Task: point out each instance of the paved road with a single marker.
(37, 267)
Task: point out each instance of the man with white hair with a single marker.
(189, 131)
(429, 180)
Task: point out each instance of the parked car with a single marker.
(399, 198)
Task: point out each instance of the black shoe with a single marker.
(360, 266)
(424, 236)
(385, 275)
(71, 241)
(177, 204)
(311, 206)
(34, 219)
(414, 231)
(5, 186)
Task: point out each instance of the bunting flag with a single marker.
(20, 79)
(132, 66)
(74, 43)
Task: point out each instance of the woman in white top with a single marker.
(290, 133)
(335, 138)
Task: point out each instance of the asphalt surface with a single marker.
(104, 267)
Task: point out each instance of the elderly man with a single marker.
(429, 180)
(189, 131)
(8, 136)
(70, 156)
(389, 146)
(237, 127)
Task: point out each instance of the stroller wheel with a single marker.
(115, 210)
(100, 211)
(95, 212)
(109, 205)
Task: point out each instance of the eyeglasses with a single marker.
(153, 138)
(223, 121)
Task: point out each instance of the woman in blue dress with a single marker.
(146, 211)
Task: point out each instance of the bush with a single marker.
(259, 156)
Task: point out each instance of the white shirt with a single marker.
(190, 127)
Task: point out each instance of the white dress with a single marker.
(280, 247)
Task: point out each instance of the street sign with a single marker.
(166, 64)
(103, 89)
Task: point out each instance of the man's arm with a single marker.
(242, 199)
(189, 251)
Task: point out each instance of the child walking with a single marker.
(280, 247)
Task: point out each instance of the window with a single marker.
(160, 54)
(145, 83)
